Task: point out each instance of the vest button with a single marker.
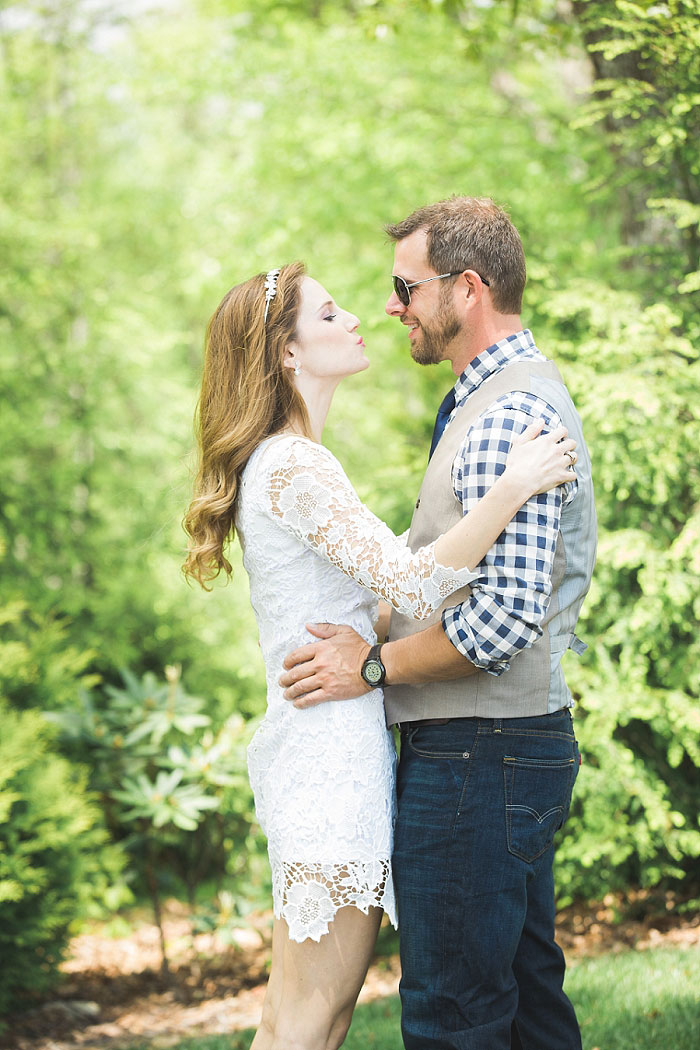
(418, 503)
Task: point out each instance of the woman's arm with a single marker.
(532, 466)
(381, 627)
(310, 495)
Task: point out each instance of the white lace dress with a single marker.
(323, 778)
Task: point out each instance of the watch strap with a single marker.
(373, 657)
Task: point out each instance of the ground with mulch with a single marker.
(113, 992)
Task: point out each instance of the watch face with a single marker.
(372, 672)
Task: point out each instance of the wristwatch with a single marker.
(373, 670)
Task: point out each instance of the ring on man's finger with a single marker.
(572, 457)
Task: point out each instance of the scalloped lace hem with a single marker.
(308, 896)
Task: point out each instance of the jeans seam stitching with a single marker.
(547, 734)
(444, 970)
(472, 754)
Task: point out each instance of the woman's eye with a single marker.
(330, 317)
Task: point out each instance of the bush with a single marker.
(50, 854)
(39, 667)
(56, 863)
(174, 788)
(636, 382)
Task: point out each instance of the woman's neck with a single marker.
(317, 398)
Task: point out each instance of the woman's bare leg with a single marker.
(266, 1031)
(313, 985)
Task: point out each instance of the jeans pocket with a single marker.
(537, 798)
(433, 748)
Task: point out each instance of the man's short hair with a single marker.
(472, 233)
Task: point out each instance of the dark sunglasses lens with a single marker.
(401, 289)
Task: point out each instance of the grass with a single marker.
(647, 1000)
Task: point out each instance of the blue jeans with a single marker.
(479, 802)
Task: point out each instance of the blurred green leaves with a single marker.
(167, 780)
(164, 801)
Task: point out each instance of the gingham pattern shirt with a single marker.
(509, 598)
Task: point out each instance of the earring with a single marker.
(297, 370)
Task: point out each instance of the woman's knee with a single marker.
(294, 1031)
(299, 1041)
(265, 1033)
(339, 1029)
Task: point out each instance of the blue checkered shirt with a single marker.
(509, 598)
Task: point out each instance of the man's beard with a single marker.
(436, 336)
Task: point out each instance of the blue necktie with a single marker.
(444, 413)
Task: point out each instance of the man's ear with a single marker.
(473, 285)
(465, 288)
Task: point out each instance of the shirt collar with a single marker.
(492, 360)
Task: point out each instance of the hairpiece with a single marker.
(270, 289)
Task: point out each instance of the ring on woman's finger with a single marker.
(572, 457)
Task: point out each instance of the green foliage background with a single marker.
(154, 155)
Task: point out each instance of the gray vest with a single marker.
(534, 684)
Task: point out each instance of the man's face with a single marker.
(430, 317)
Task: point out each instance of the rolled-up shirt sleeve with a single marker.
(509, 597)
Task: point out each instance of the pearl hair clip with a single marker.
(270, 289)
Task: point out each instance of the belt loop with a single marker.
(497, 725)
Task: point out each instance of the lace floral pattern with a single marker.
(312, 894)
(323, 778)
(311, 495)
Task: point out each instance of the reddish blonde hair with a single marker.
(247, 395)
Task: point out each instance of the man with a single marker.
(488, 755)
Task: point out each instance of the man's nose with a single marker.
(394, 307)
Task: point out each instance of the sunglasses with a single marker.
(403, 289)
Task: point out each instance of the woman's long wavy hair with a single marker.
(247, 395)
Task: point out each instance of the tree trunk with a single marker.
(157, 911)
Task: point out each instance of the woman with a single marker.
(277, 347)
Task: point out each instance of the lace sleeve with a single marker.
(307, 489)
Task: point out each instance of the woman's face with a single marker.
(327, 344)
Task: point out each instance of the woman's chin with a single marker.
(360, 366)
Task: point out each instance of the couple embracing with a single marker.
(462, 651)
